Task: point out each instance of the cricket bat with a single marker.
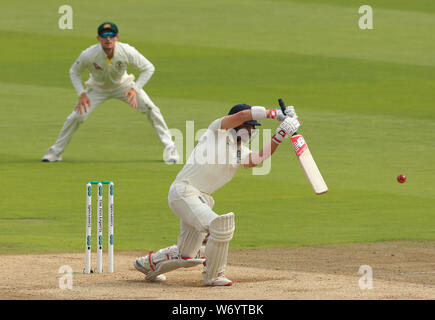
(306, 160)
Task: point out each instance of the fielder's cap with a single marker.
(240, 107)
(107, 27)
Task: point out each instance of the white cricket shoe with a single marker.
(51, 157)
(142, 264)
(171, 155)
(219, 281)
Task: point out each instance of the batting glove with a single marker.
(278, 115)
(279, 135)
(287, 128)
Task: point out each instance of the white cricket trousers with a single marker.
(144, 105)
(194, 209)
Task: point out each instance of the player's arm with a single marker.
(235, 120)
(139, 62)
(75, 73)
(286, 129)
(255, 113)
(256, 158)
(146, 68)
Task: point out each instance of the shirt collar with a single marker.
(232, 135)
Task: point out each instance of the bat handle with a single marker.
(282, 105)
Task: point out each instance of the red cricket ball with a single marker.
(401, 178)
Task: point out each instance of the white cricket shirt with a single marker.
(213, 162)
(110, 74)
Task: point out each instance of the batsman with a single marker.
(219, 153)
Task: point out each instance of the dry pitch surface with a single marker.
(401, 270)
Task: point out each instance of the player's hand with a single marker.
(278, 115)
(286, 129)
(83, 103)
(131, 100)
(289, 126)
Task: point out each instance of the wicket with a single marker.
(110, 193)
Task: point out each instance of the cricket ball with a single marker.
(401, 178)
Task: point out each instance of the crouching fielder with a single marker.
(107, 63)
(213, 163)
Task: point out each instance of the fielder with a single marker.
(107, 64)
(213, 163)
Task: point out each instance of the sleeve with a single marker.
(245, 154)
(76, 71)
(138, 61)
(215, 125)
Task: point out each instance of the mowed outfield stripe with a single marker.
(234, 76)
(293, 27)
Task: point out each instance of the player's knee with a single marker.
(152, 108)
(192, 250)
(194, 254)
(142, 106)
(78, 117)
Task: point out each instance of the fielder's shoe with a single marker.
(219, 281)
(51, 157)
(142, 264)
(171, 155)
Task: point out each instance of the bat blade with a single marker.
(308, 164)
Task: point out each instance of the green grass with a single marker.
(365, 99)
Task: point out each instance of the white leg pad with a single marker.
(216, 250)
(169, 259)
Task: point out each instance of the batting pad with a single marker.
(170, 265)
(168, 259)
(216, 250)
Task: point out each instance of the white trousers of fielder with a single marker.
(96, 97)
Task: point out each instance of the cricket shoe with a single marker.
(219, 281)
(51, 157)
(142, 264)
(171, 155)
